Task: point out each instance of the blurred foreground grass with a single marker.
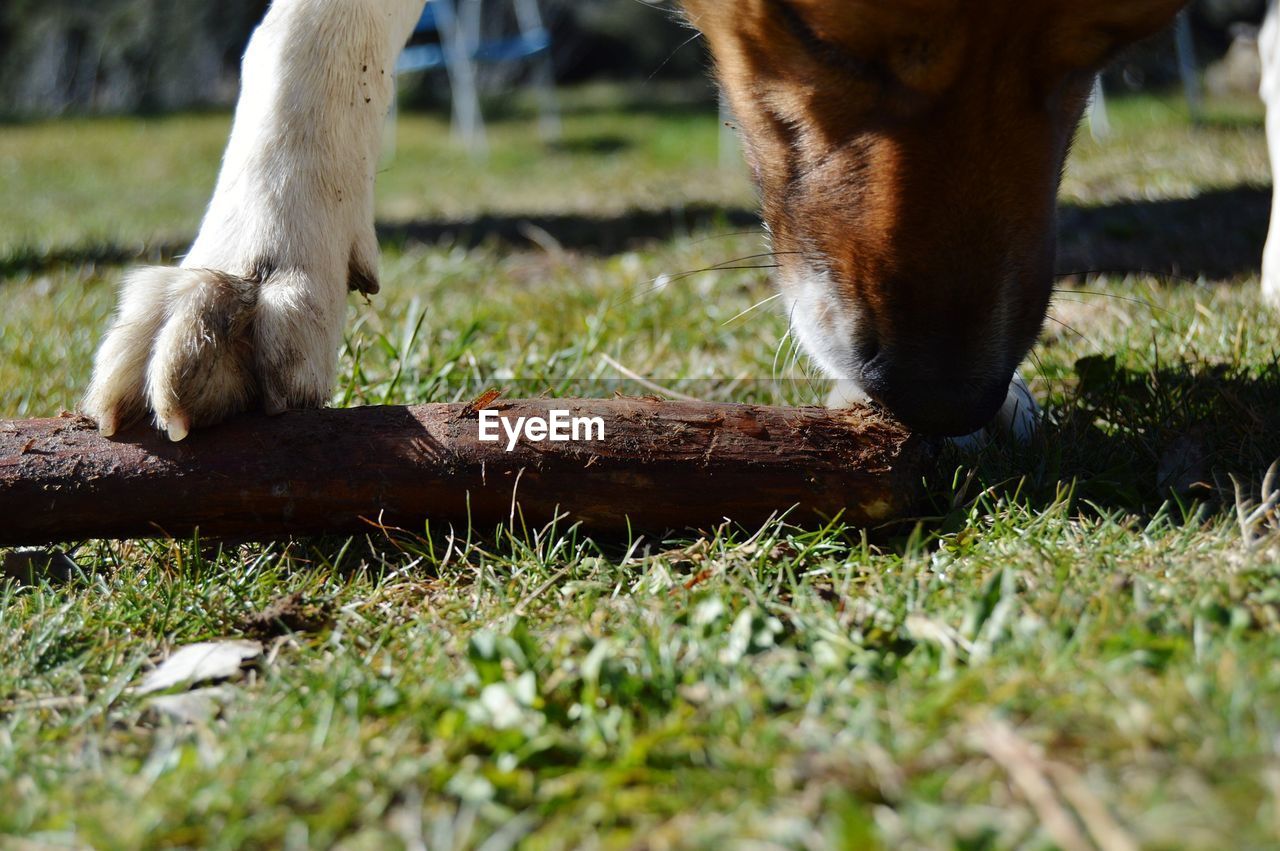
(1075, 647)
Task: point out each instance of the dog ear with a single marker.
(1091, 32)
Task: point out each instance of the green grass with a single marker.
(1077, 639)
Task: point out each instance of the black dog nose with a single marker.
(932, 397)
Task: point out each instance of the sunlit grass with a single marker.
(1089, 604)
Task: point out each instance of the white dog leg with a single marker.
(1269, 45)
(254, 314)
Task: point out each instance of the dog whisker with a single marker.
(726, 265)
(663, 281)
(1160, 276)
(683, 45)
(788, 339)
(727, 235)
(794, 360)
(1037, 361)
(758, 304)
(1058, 321)
(1130, 299)
(777, 353)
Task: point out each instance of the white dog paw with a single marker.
(195, 346)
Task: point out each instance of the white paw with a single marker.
(195, 346)
(254, 316)
(1017, 420)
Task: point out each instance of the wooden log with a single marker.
(662, 465)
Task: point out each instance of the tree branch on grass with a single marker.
(661, 466)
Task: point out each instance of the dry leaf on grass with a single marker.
(208, 661)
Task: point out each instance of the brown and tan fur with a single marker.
(909, 152)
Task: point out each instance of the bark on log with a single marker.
(662, 465)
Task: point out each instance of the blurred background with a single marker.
(59, 56)
(112, 56)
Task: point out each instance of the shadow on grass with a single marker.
(26, 260)
(1217, 235)
(661, 101)
(601, 235)
(595, 235)
(1132, 441)
(593, 145)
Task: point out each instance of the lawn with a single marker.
(1076, 644)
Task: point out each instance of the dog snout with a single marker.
(934, 394)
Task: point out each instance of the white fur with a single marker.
(1269, 46)
(255, 312)
(822, 323)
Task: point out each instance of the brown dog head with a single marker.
(909, 153)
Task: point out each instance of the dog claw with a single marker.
(108, 425)
(178, 428)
